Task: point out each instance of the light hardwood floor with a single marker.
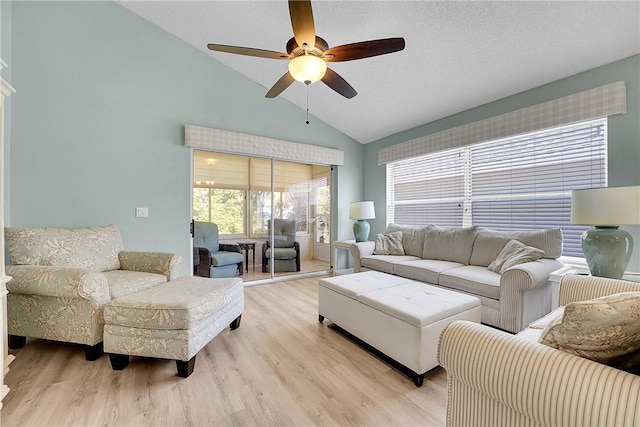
(280, 368)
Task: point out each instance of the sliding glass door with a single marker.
(277, 212)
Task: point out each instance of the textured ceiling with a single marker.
(458, 55)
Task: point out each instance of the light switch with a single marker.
(142, 212)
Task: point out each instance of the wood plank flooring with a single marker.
(280, 368)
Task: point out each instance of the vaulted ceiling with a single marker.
(458, 55)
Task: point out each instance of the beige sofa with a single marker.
(62, 278)
(458, 259)
(497, 379)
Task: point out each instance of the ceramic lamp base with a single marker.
(361, 230)
(607, 251)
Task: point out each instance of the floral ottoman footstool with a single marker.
(174, 320)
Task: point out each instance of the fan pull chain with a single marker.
(307, 122)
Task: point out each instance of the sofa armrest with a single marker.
(203, 269)
(525, 293)
(359, 250)
(528, 275)
(58, 282)
(535, 382)
(576, 287)
(151, 262)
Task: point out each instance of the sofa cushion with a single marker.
(449, 244)
(389, 244)
(424, 270)
(93, 248)
(514, 253)
(472, 279)
(385, 263)
(412, 238)
(606, 330)
(122, 282)
(489, 243)
(221, 258)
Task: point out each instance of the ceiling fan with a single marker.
(308, 53)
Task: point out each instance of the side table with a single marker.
(341, 244)
(246, 246)
(556, 276)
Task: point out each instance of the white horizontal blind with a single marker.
(518, 183)
(427, 190)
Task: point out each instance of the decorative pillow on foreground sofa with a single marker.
(458, 258)
(605, 330)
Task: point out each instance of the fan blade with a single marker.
(337, 83)
(360, 50)
(248, 51)
(280, 85)
(304, 29)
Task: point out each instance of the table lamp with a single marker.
(606, 248)
(361, 211)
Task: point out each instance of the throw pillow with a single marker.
(514, 253)
(389, 244)
(412, 238)
(606, 330)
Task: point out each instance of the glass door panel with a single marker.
(239, 194)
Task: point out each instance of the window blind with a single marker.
(519, 183)
(427, 190)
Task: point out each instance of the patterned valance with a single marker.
(591, 104)
(225, 141)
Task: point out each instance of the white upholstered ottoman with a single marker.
(174, 320)
(398, 317)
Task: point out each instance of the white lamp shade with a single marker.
(362, 210)
(609, 206)
(307, 68)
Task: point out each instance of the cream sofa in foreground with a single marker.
(497, 379)
(457, 259)
(62, 278)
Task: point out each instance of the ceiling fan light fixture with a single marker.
(307, 68)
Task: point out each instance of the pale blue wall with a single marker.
(98, 122)
(624, 133)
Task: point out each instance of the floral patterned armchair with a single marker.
(62, 278)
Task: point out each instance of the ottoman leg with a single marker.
(93, 352)
(236, 323)
(118, 361)
(320, 318)
(16, 341)
(418, 380)
(185, 368)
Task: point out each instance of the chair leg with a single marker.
(185, 368)
(93, 352)
(118, 361)
(236, 323)
(240, 268)
(16, 341)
